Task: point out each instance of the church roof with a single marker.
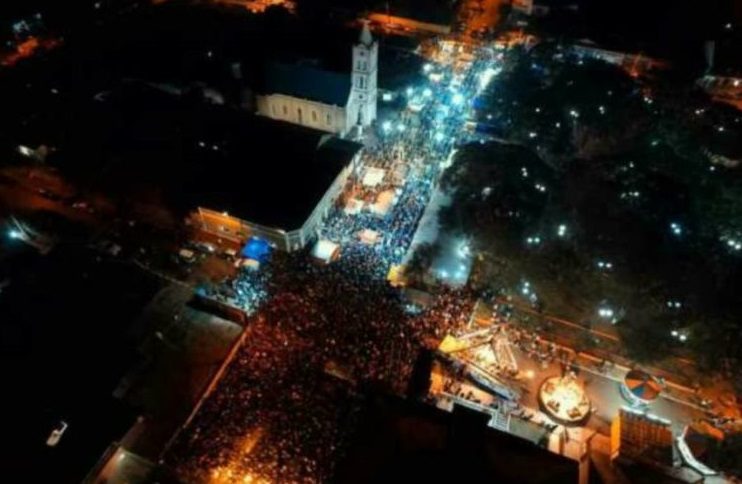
(307, 82)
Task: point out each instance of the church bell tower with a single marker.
(364, 75)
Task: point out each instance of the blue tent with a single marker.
(256, 249)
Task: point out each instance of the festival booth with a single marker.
(255, 252)
(250, 264)
(373, 177)
(256, 249)
(353, 207)
(326, 251)
(368, 236)
(399, 175)
(384, 203)
(640, 388)
(396, 277)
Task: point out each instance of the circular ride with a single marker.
(640, 388)
(563, 398)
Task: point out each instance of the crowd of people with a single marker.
(421, 143)
(284, 409)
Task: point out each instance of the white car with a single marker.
(56, 434)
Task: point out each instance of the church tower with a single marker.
(364, 74)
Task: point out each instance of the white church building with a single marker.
(321, 99)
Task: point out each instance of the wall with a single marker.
(312, 225)
(238, 230)
(272, 106)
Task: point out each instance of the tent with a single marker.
(368, 236)
(353, 207)
(399, 174)
(395, 276)
(326, 251)
(642, 386)
(251, 264)
(384, 202)
(256, 249)
(373, 176)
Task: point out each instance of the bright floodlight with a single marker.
(427, 68)
(14, 234)
(562, 230)
(386, 97)
(386, 126)
(606, 313)
(486, 77)
(458, 99)
(439, 136)
(410, 91)
(401, 127)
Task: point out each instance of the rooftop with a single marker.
(274, 177)
(66, 342)
(180, 153)
(405, 441)
(307, 82)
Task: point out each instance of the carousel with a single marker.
(640, 388)
(563, 398)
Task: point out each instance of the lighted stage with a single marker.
(564, 400)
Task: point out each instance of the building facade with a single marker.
(328, 101)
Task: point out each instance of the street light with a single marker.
(15, 234)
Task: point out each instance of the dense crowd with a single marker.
(284, 409)
(422, 143)
(279, 391)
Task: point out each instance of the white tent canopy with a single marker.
(373, 176)
(384, 202)
(368, 236)
(325, 250)
(353, 207)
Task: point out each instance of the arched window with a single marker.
(298, 115)
(329, 120)
(285, 110)
(314, 116)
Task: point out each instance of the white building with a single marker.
(316, 98)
